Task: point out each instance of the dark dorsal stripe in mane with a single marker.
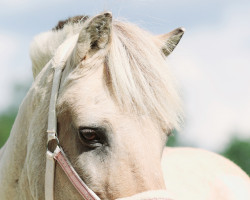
(70, 20)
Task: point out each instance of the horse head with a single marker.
(116, 105)
(107, 99)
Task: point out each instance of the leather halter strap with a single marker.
(81, 187)
(58, 63)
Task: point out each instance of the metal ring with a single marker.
(53, 145)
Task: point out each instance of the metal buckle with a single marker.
(52, 142)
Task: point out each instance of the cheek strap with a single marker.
(58, 64)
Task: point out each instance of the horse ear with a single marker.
(170, 40)
(95, 35)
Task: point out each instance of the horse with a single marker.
(96, 119)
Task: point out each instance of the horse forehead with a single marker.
(90, 99)
(90, 96)
(89, 89)
(96, 106)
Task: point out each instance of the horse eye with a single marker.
(89, 136)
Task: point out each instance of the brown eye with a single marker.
(90, 137)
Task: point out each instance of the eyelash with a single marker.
(92, 137)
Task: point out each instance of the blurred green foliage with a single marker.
(238, 151)
(7, 119)
(173, 140)
(7, 116)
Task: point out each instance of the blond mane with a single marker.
(137, 74)
(140, 77)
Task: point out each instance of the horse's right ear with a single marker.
(95, 35)
(170, 40)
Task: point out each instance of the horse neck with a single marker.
(22, 160)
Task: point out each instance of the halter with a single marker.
(57, 155)
(58, 63)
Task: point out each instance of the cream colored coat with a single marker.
(189, 174)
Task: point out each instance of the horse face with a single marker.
(116, 153)
(114, 141)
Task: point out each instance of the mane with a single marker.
(44, 45)
(140, 78)
(137, 74)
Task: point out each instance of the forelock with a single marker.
(139, 77)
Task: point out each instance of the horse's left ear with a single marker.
(95, 35)
(170, 40)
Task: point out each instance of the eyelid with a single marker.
(90, 135)
(100, 132)
(93, 128)
(88, 130)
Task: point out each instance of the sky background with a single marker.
(211, 63)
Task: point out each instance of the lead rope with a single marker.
(58, 155)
